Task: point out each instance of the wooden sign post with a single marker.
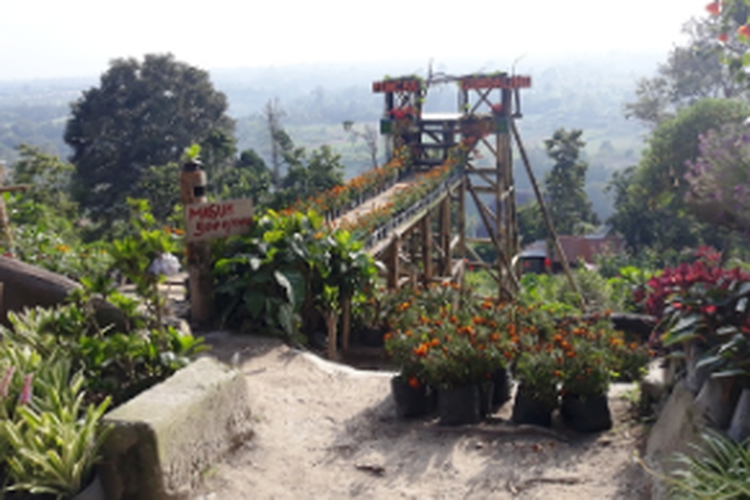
(200, 272)
(203, 222)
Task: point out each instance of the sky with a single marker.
(42, 39)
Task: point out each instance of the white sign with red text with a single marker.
(207, 221)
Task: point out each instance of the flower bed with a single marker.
(444, 338)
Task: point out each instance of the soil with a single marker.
(327, 430)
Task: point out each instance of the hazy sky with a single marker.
(61, 38)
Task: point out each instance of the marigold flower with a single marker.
(421, 349)
(744, 31)
(714, 8)
(414, 382)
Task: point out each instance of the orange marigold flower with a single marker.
(414, 382)
(421, 349)
(435, 342)
(387, 337)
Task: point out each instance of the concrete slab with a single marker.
(167, 437)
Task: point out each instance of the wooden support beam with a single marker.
(427, 248)
(445, 236)
(501, 256)
(393, 263)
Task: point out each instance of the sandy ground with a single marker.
(328, 431)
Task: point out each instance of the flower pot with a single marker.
(528, 410)
(486, 398)
(459, 405)
(371, 337)
(412, 401)
(739, 428)
(586, 413)
(500, 388)
(695, 376)
(719, 397)
(94, 491)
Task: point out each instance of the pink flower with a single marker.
(26, 392)
(5, 382)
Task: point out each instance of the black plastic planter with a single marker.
(500, 388)
(459, 405)
(586, 413)
(410, 401)
(527, 410)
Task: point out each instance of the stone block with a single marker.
(165, 439)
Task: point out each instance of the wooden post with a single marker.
(427, 248)
(393, 263)
(461, 222)
(200, 267)
(445, 235)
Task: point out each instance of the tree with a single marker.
(650, 208)
(48, 176)
(142, 114)
(369, 135)
(691, 73)
(719, 179)
(249, 177)
(281, 143)
(308, 174)
(569, 206)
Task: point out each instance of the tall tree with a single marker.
(569, 206)
(650, 207)
(142, 114)
(369, 135)
(280, 141)
(692, 72)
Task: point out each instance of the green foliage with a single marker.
(692, 72)
(650, 198)
(717, 468)
(273, 279)
(570, 208)
(142, 114)
(308, 174)
(54, 441)
(555, 291)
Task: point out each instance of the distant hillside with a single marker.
(575, 92)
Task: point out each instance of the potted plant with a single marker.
(537, 395)
(413, 397)
(585, 381)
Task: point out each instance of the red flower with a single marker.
(413, 382)
(710, 309)
(744, 30)
(723, 37)
(714, 8)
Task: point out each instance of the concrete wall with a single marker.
(166, 438)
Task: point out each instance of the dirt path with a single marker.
(328, 431)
